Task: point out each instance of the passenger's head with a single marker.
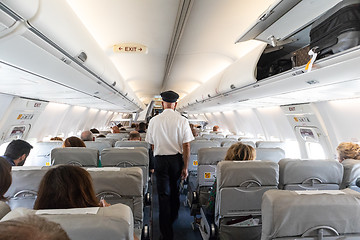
(216, 128)
(18, 150)
(142, 126)
(134, 136)
(133, 125)
(73, 142)
(31, 227)
(115, 129)
(87, 136)
(56, 139)
(169, 99)
(66, 186)
(348, 150)
(5, 177)
(94, 131)
(240, 152)
(101, 136)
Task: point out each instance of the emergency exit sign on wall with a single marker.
(130, 48)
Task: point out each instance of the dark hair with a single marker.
(134, 135)
(56, 139)
(5, 177)
(66, 186)
(133, 125)
(101, 136)
(17, 148)
(142, 126)
(31, 227)
(73, 142)
(94, 130)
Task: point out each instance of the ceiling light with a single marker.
(311, 82)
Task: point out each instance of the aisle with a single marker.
(182, 226)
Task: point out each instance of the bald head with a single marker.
(87, 136)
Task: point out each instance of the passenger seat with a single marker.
(98, 223)
(351, 174)
(270, 154)
(296, 174)
(79, 156)
(310, 215)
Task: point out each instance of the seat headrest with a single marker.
(292, 213)
(98, 145)
(123, 181)
(351, 172)
(132, 144)
(270, 144)
(113, 222)
(135, 155)
(211, 156)
(75, 155)
(296, 171)
(264, 172)
(270, 154)
(197, 144)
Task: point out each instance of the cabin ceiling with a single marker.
(206, 45)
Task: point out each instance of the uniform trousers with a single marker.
(168, 171)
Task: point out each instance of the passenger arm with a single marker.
(186, 157)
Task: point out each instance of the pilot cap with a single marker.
(169, 96)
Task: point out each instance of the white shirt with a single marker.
(167, 132)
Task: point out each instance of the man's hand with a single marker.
(184, 173)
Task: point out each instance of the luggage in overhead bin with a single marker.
(338, 29)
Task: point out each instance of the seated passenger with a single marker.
(134, 136)
(94, 131)
(193, 130)
(115, 129)
(237, 152)
(133, 125)
(17, 151)
(56, 139)
(31, 227)
(142, 127)
(348, 150)
(73, 142)
(216, 129)
(67, 186)
(87, 136)
(101, 136)
(5, 182)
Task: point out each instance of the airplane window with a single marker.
(315, 150)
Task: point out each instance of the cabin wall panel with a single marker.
(275, 124)
(341, 118)
(5, 101)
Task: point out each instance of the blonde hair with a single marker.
(348, 150)
(240, 152)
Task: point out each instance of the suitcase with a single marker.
(338, 29)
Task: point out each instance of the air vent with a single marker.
(232, 86)
(82, 56)
(65, 60)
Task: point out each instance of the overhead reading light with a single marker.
(312, 82)
(82, 56)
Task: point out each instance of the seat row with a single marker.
(115, 185)
(243, 186)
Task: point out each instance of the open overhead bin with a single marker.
(34, 38)
(274, 68)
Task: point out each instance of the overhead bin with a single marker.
(88, 69)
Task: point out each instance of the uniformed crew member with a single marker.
(169, 135)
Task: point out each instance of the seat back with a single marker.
(240, 186)
(109, 140)
(120, 185)
(270, 154)
(296, 174)
(127, 157)
(97, 145)
(208, 136)
(24, 186)
(270, 144)
(194, 148)
(118, 136)
(311, 214)
(40, 154)
(227, 142)
(4, 209)
(208, 158)
(79, 156)
(113, 222)
(132, 144)
(351, 174)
